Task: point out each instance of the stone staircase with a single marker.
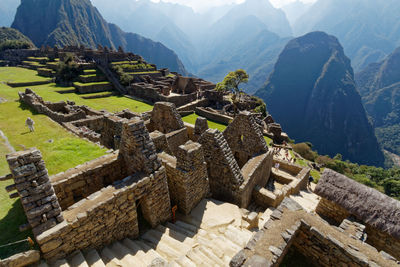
(183, 243)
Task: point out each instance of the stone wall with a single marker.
(213, 116)
(331, 211)
(28, 258)
(187, 176)
(383, 241)
(95, 88)
(153, 94)
(105, 129)
(223, 171)
(36, 192)
(77, 183)
(177, 138)
(290, 227)
(111, 213)
(256, 172)
(59, 112)
(245, 138)
(165, 118)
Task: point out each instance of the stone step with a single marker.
(193, 223)
(210, 254)
(77, 260)
(230, 248)
(170, 241)
(218, 251)
(163, 246)
(199, 258)
(93, 258)
(150, 255)
(124, 255)
(109, 258)
(176, 235)
(60, 263)
(185, 262)
(136, 250)
(187, 226)
(239, 237)
(180, 229)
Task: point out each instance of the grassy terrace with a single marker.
(143, 72)
(124, 62)
(38, 58)
(89, 75)
(90, 84)
(89, 71)
(14, 74)
(61, 150)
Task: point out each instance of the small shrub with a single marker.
(305, 151)
(14, 44)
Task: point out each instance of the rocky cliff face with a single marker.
(77, 22)
(312, 93)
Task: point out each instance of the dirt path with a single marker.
(6, 142)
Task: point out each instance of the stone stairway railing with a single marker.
(179, 244)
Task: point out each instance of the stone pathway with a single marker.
(6, 142)
(210, 236)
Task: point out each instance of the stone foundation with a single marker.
(86, 179)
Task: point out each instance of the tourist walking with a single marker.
(29, 122)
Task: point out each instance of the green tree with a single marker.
(231, 84)
(68, 70)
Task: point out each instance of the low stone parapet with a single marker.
(27, 258)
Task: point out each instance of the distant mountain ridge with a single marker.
(77, 22)
(379, 86)
(368, 29)
(312, 93)
(249, 35)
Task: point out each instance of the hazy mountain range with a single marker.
(78, 22)
(252, 34)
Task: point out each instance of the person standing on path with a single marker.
(29, 122)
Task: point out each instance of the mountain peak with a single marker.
(312, 93)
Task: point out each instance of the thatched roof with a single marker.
(367, 204)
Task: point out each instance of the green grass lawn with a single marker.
(48, 92)
(211, 124)
(15, 74)
(60, 149)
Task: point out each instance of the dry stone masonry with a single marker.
(35, 190)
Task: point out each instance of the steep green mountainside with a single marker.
(312, 93)
(12, 39)
(78, 22)
(13, 35)
(379, 86)
(368, 29)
